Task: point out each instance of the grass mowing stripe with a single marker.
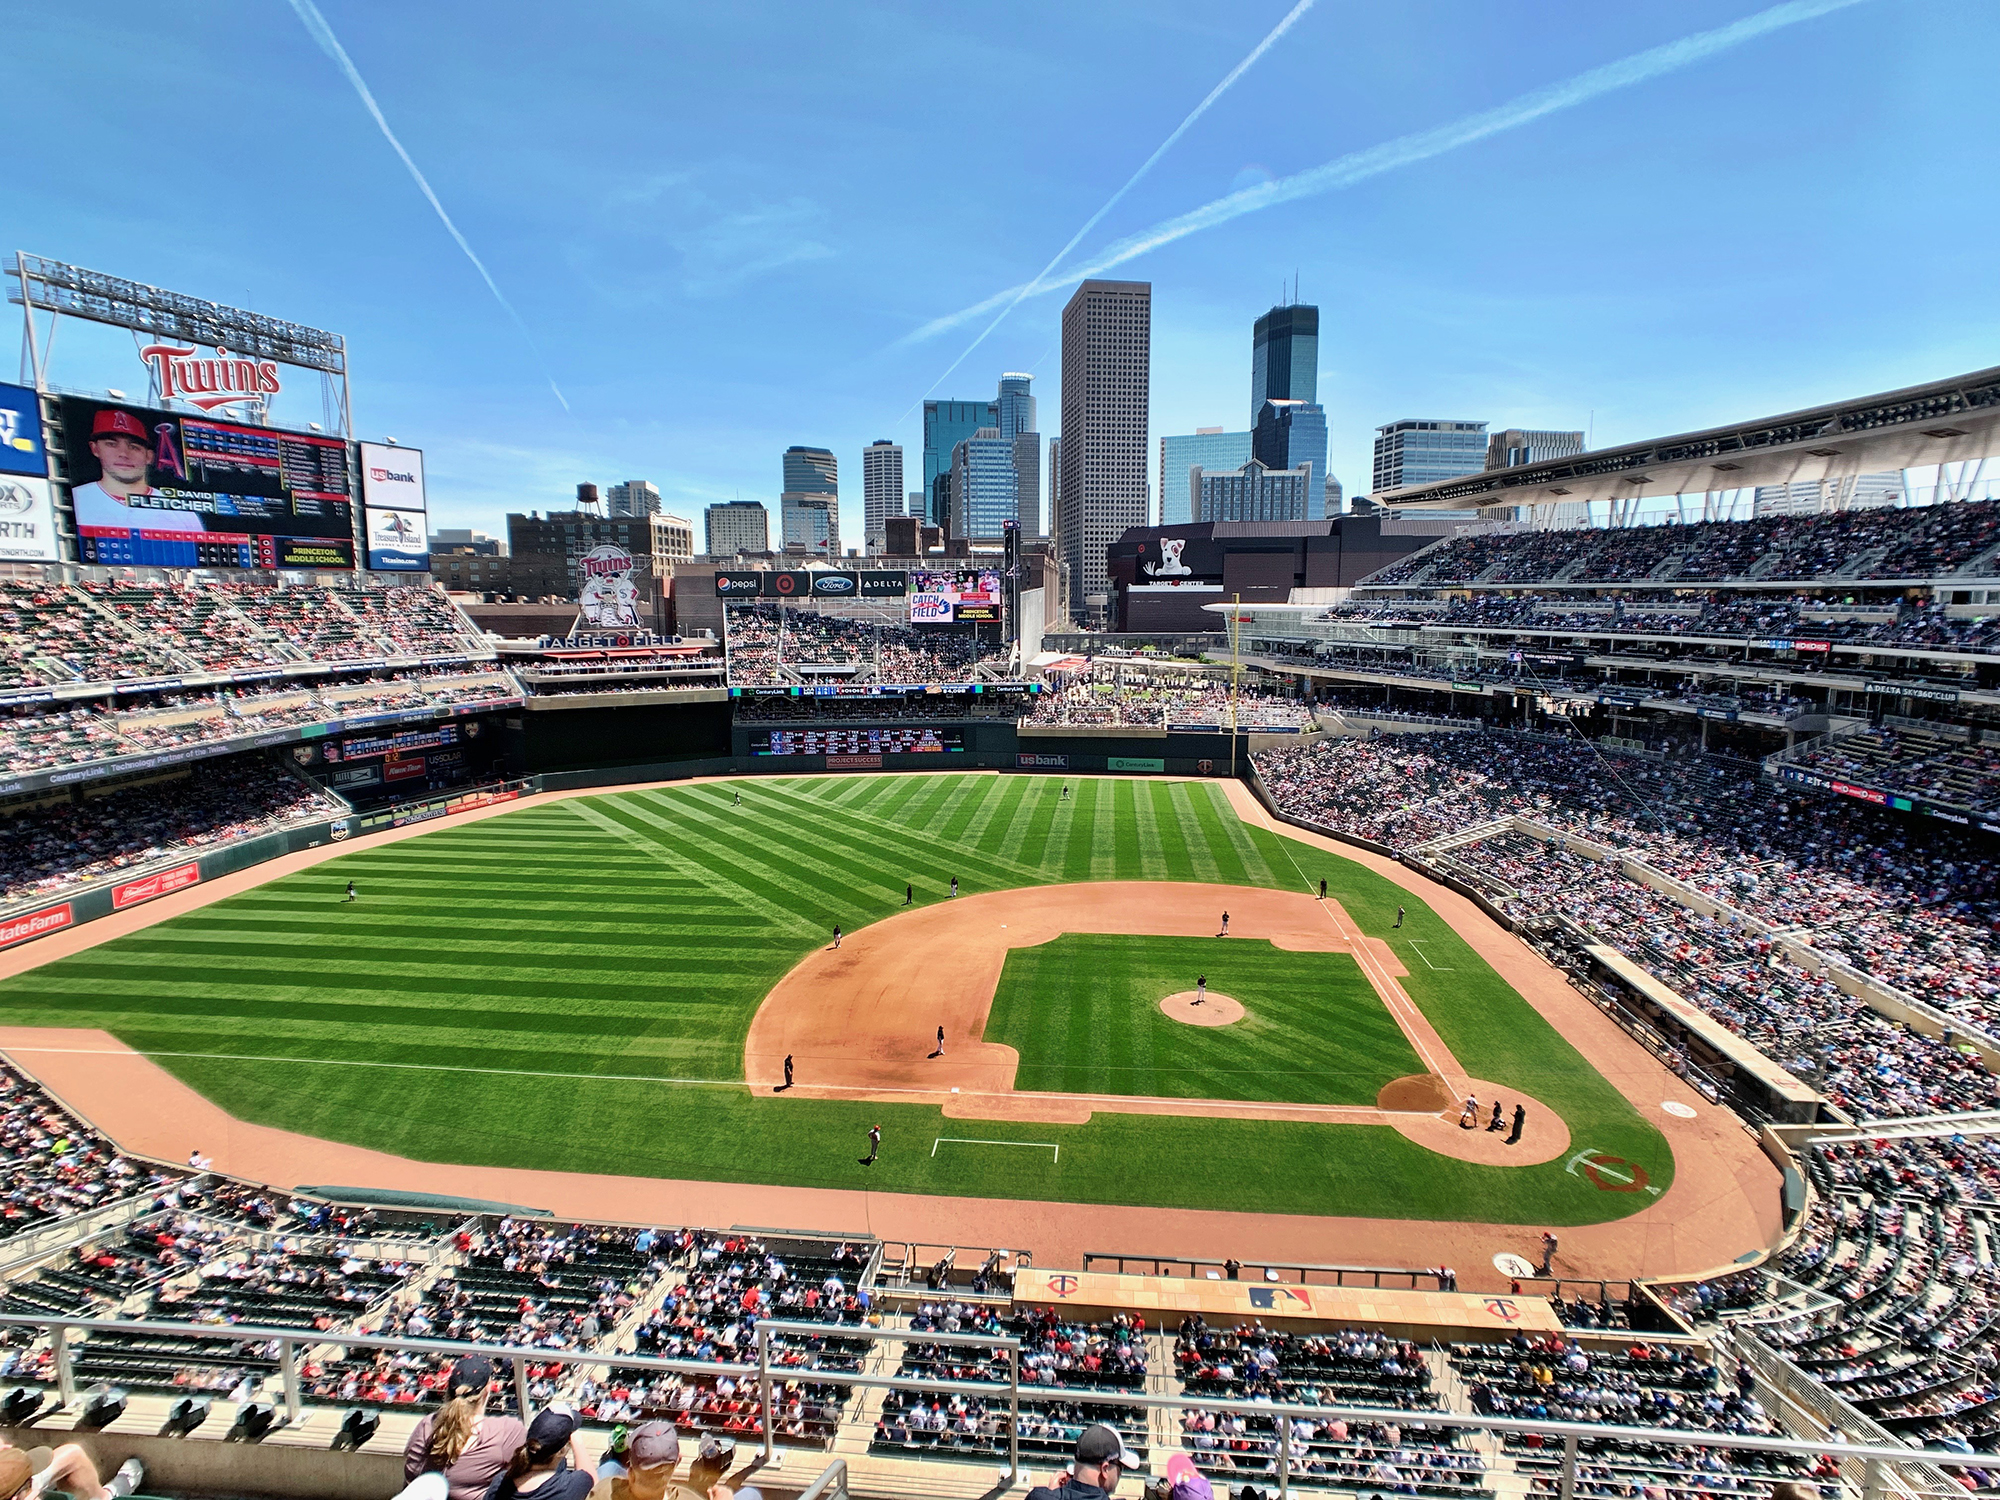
(714, 878)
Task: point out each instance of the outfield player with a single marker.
(836, 937)
(350, 890)
(1399, 916)
(739, 798)
(954, 885)
(909, 895)
(874, 1145)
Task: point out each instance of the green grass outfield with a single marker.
(525, 990)
(1083, 1010)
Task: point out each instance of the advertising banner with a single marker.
(855, 741)
(940, 597)
(743, 585)
(27, 520)
(398, 541)
(883, 584)
(160, 883)
(788, 585)
(168, 489)
(400, 767)
(1134, 763)
(392, 497)
(1914, 690)
(21, 450)
(1027, 761)
(835, 585)
(36, 924)
(854, 762)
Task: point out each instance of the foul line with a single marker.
(1418, 945)
(959, 1140)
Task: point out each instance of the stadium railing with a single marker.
(1875, 1469)
(1402, 1278)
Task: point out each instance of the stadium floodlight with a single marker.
(57, 286)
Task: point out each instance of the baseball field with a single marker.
(575, 986)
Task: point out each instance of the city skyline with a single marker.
(712, 236)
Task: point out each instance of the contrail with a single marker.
(1017, 293)
(330, 45)
(1358, 166)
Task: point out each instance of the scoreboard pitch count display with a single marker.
(178, 490)
(855, 741)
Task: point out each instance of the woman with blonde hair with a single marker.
(460, 1440)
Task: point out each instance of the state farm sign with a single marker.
(35, 924)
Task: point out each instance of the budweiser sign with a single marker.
(35, 924)
(208, 383)
(132, 892)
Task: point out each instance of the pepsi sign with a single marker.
(738, 585)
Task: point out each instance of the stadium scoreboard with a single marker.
(173, 489)
(912, 740)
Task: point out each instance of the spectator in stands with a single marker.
(547, 1465)
(461, 1440)
(651, 1455)
(1101, 1456)
(69, 1470)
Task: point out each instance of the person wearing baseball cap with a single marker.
(460, 1440)
(547, 1466)
(123, 448)
(1101, 1456)
(652, 1453)
(1185, 1481)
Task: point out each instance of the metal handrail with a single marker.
(1196, 1263)
(1873, 1456)
(831, 1484)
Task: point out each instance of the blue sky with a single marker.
(720, 224)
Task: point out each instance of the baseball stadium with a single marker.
(1506, 1020)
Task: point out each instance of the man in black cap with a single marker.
(1101, 1457)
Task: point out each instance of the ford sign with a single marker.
(833, 583)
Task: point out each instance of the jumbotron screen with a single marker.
(174, 490)
(855, 741)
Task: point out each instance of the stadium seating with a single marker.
(766, 647)
(1110, 694)
(53, 1166)
(48, 849)
(43, 737)
(1925, 542)
(100, 632)
(1914, 912)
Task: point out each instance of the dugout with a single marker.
(1761, 1088)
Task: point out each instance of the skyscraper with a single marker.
(1107, 349)
(811, 523)
(1514, 447)
(811, 471)
(984, 488)
(1419, 452)
(1284, 359)
(1055, 487)
(920, 506)
(1252, 493)
(1290, 433)
(736, 526)
(635, 497)
(881, 490)
(1209, 448)
(946, 425)
(1016, 408)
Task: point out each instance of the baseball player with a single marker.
(788, 1070)
(1322, 888)
(1399, 916)
(350, 890)
(123, 449)
(1469, 1116)
(909, 895)
(954, 885)
(836, 937)
(1200, 988)
(1225, 924)
(940, 1050)
(874, 1145)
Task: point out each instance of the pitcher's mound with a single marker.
(1214, 1010)
(1418, 1093)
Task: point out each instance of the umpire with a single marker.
(1101, 1456)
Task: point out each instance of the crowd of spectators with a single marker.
(53, 847)
(1691, 613)
(1938, 766)
(51, 634)
(53, 1167)
(1915, 909)
(46, 736)
(1114, 693)
(1858, 545)
(769, 645)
